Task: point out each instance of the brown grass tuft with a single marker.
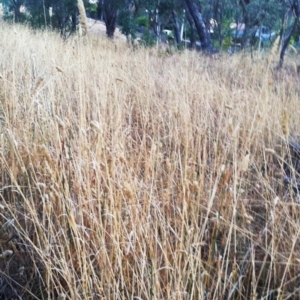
(166, 184)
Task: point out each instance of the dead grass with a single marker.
(137, 175)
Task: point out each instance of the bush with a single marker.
(147, 39)
(142, 21)
(129, 25)
(91, 10)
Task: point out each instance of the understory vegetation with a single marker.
(136, 174)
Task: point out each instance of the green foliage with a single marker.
(9, 17)
(147, 40)
(63, 17)
(12, 10)
(36, 14)
(129, 24)
(143, 21)
(226, 43)
(266, 13)
(91, 9)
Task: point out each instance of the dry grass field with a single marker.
(133, 174)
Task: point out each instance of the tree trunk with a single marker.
(286, 40)
(17, 11)
(110, 17)
(218, 11)
(203, 33)
(192, 27)
(246, 23)
(176, 28)
(100, 10)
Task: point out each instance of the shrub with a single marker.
(147, 39)
(143, 21)
(129, 25)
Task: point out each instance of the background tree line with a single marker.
(206, 24)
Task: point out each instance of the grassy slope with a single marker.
(132, 174)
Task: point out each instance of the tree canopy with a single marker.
(208, 25)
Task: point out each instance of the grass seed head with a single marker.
(285, 123)
(245, 163)
(270, 151)
(95, 125)
(127, 190)
(60, 122)
(38, 83)
(59, 69)
(230, 126)
(45, 152)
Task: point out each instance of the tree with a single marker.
(110, 10)
(176, 27)
(294, 10)
(129, 25)
(192, 29)
(223, 13)
(170, 14)
(15, 7)
(256, 13)
(195, 12)
(63, 17)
